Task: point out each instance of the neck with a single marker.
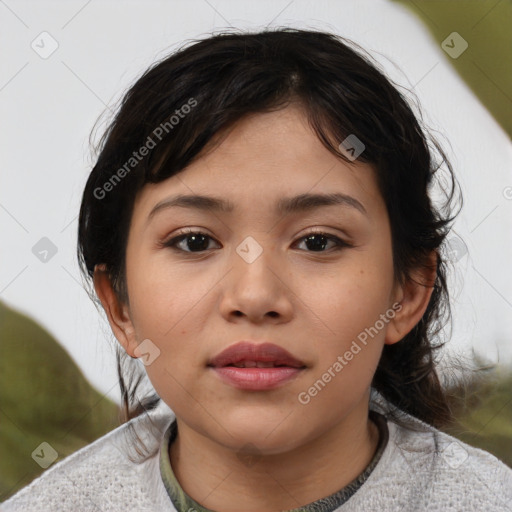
(220, 479)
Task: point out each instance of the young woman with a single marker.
(259, 231)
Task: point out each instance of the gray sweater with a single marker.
(417, 471)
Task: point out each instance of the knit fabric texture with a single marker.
(416, 471)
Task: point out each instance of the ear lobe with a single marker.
(414, 297)
(117, 312)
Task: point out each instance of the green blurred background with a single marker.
(486, 65)
(44, 397)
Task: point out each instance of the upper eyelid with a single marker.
(192, 231)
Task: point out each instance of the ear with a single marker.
(414, 297)
(117, 312)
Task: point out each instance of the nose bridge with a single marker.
(253, 259)
(250, 249)
(255, 288)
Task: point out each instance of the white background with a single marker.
(49, 106)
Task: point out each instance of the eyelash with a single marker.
(340, 244)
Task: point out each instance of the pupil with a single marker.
(317, 245)
(197, 242)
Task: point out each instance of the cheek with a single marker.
(162, 296)
(165, 303)
(350, 305)
(169, 306)
(358, 291)
(348, 343)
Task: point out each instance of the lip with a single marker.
(286, 366)
(248, 351)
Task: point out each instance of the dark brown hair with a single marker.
(223, 78)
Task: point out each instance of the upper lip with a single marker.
(248, 351)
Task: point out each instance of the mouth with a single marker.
(257, 367)
(260, 364)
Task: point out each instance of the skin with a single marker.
(312, 302)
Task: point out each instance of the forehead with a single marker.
(261, 159)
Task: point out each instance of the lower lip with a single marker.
(256, 378)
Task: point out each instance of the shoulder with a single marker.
(470, 477)
(424, 468)
(108, 474)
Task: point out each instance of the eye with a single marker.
(197, 241)
(317, 240)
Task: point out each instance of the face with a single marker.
(309, 280)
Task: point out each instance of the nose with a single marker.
(257, 288)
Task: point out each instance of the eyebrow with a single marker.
(286, 205)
